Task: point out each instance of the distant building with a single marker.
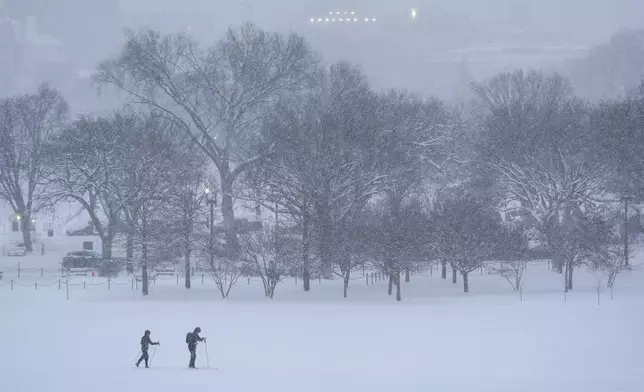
(87, 28)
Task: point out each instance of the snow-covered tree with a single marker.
(27, 123)
(513, 254)
(324, 164)
(186, 200)
(618, 125)
(610, 69)
(88, 161)
(415, 145)
(216, 97)
(609, 260)
(273, 253)
(537, 142)
(467, 231)
(144, 191)
(579, 239)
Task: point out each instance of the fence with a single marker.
(63, 281)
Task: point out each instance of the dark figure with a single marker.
(146, 342)
(192, 338)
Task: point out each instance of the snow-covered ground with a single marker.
(437, 339)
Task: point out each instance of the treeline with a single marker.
(353, 176)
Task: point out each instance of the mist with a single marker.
(438, 49)
(357, 195)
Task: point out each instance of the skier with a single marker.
(145, 344)
(192, 338)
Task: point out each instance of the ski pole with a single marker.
(138, 355)
(153, 354)
(207, 357)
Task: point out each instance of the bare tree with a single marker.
(416, 146)
(467, 231)
(351, 248)
(149, 235)
(537, 142)
(397, 242)
(284, 182)
(580, 240)
(144, 190)
(226, 272)
(27, 123)
(272, 251)
(616, 125)
(513, 253)
(217, 97)
(610, 261)
(89, 161)
(324, 164)
(610, 69)
(186, 199)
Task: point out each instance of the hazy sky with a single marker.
(593, 19)
(449, 43)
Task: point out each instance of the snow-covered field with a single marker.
(437, 339)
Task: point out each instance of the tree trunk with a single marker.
(407, 275)
(306, 263)
(271, 287)
(129, 254)
(398, 294)
(390, 289)
(326, 264)
(144, 267)
(454, 275)
(129, 248)
(106, 246)
(346, 277)
(466, 284)
(26, 232)
(571, 269)
(228, 213)
(188, 266)
(443, 269)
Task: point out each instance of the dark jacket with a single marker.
(193, 339)
(146, 342)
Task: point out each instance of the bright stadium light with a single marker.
(312, 20)
(414, 13)
(319, 19)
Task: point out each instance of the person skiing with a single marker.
(192, 338)
(145, 344)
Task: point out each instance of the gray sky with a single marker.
(449, 43)
(428, 53)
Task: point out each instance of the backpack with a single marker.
(188, 337)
